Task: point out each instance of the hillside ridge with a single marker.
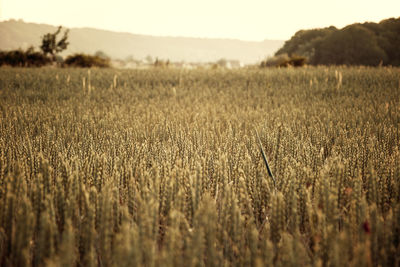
(120, 45)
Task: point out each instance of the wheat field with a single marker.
(162, 167)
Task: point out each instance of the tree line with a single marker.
(369, 44)
(50, 48)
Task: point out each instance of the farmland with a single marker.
(162, 167)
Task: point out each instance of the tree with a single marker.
(304, 42)
(51, 46)
(352, 45)
(357, 44)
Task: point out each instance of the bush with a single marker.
(297, 61)
(37, 59)
(86, 61)
(20, 58)
(284, 60)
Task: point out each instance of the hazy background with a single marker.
(253, 20)
(246, 32)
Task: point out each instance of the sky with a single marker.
(252, 20)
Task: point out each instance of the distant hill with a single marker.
(356, 44)
(18, 34)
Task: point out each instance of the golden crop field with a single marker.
(163, 167)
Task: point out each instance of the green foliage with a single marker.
(162, 167)
(50, 44)
(86, 61)
(357, 44)
(20, 58)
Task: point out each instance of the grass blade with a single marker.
(265, 160)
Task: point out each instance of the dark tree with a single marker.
(357, 44)
(352, 45)
(50, 44)
(304, 42)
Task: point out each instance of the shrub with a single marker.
(297, 61)
(36, 59)
(283, 60)
(86, 61)
(20, 58)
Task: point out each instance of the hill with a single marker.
(357, 44)
(20, 34)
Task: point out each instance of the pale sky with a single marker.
(238, 19)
